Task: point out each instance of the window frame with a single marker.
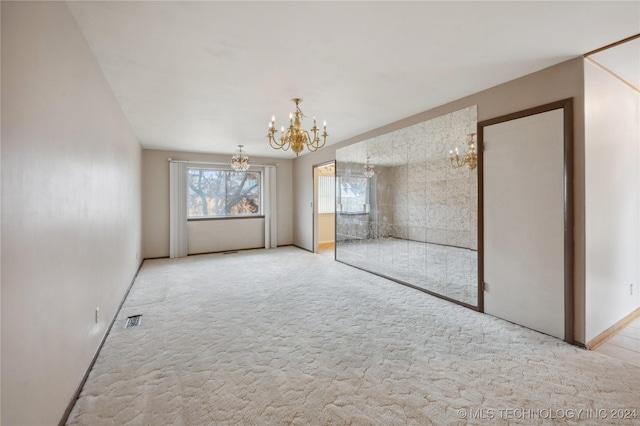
(226, 170)
(340, 204)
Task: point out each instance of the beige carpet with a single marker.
(282, 336)
(449, 271)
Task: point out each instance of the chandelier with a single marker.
(240, 161)
(470, 159)
(295, 136)
(368, 169)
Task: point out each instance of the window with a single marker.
(326, 194)
(223, 193)
(353, 194)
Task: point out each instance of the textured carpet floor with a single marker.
(282, 336)
(448, 271)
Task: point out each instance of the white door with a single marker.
(523, 188)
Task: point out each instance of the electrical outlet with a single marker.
(97, 314)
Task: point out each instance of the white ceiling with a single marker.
(207, 76)
(623, 60)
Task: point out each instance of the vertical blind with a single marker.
(326, 194)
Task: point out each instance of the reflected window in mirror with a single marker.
(353, 195)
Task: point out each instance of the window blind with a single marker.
(326, 194)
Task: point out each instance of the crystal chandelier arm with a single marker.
(240, 161)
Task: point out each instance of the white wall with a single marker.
(70, 209)
(212, 235)
(302, 176)
(561, 81)
(612, 202)
(326, 227)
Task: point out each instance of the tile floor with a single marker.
(625, 345)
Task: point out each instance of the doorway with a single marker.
(324, 202)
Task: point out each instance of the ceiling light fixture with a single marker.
(240, 161)
(368, 169)
(470, 159)
(295, 136)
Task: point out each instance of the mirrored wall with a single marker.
(412, 217)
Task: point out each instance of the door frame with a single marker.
(569, 257)
(314, 226)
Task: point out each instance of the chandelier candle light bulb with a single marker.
(295, 137)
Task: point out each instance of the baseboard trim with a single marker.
(215, 252)
(224, 251)
(76, 394)
(614, 329)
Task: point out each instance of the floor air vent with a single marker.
(133, 321)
